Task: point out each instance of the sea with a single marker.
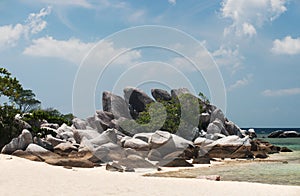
(281, 168)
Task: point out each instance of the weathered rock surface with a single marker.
(177, 162)
(27, 155)
(136, 144)
(160, 94)
(19, 143)
(283, 134)
(137, 99)
(70, 162)
(115, 104)
(134, 161)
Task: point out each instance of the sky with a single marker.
(247, 52)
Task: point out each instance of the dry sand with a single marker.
(24, 177)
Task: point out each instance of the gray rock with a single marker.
(114, 167)
(160, 94)
(143, 136)
(159, 138)
(216, 127)
(177, 162)
(233, 129)
(21, 123)
(50, 125)
(19, 143)
(89, 134)
(79, 123)
(217, 114)
(107, 136)
(115, 152)
(115, 104)
(64, 148)
(137, 99)
(34, 148)
(134, 161)
(200, 141)
(154, 155)
(167, 144)
(43, 143)
(64, 128)
(178, 92)
(53, 140)
(104, 119)
(136, 144)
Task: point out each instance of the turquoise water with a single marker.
(283, 168)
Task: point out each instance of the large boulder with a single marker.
(136, 144)
(230, 147)
(104, 119)
(135, 161)
(68, 162)
(177, 162)
(64, 148)
(175, 93)
(275, 134)
(159, 138)
(167, 143)
(217, 114)
(115, 104)
(53, 140)
(160, 94)
(216, 127)
(43, 143)
(19, 143)
(137, 100)
(284, 134)
(40, 152)
(88, 134)
(79, 123)
(143, 136)
(110, 135)
(233, 129)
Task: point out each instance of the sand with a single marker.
(24, 177)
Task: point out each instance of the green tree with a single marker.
(25, 101)
(9, 86)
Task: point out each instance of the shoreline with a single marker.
(21, 176)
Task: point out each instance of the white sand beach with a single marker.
(23, 177)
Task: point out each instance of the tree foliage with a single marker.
(177, 113)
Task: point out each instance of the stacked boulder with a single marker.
(103, 139)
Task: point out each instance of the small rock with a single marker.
(210, 177)
(285, 149)
(177, 162)
(114, 167)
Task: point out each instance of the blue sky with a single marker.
(255, 44)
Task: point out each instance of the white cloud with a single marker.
(240, 83)
(173, 2)
(10, 34)
(249, 29)
(246, 15)
(228, 57)
(74, 50)
(281, 92)
(35, 22)
(286, 46)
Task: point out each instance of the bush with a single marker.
(169, 115)
(8, 127)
